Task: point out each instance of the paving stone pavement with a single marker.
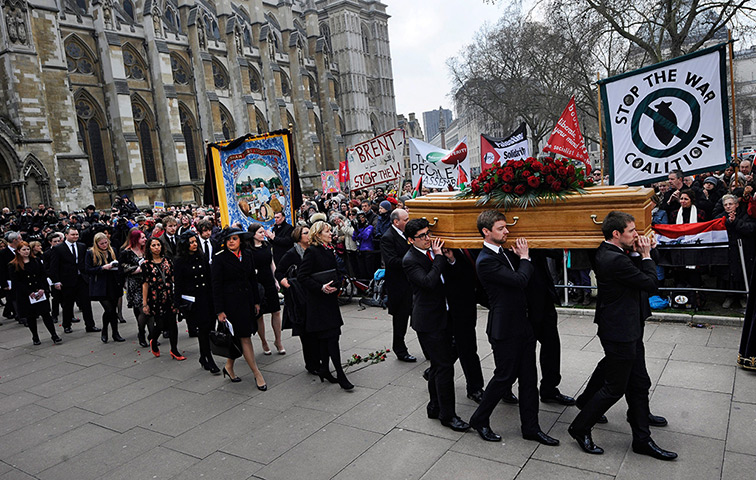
(87, 410)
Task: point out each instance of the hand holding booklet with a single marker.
(34, 300)
(230, 326)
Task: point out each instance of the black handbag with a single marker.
(321, 278)
(223, 344)
(185, 307)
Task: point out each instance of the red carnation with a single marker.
(506, 188)
(526, 173)
(534, 182)
(532, 159)
(519, 189)
(518, 164)
(538, 166)
(508, 176)
(556, 186)
(561, 171)
(581, 184)
(487, 188)
(550, 179)
(500, 172)
(571, 169)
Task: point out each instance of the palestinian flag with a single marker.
(713, 231)
(692, 244)
(418, 188)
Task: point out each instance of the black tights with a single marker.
(329, 349)
(109, 317)
(31, 322)
(142, 322)
(166, 323)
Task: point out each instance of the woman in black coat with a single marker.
(29, 281)
(102, 267)
(236, 299)
(323, 318)
(263, 254)
(194, 294)
(740, 226)
(293, 258)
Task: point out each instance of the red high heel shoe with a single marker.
(178, 356)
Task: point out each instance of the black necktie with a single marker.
(503, 254)
(172, 242)
(73, 252)
(207, 251)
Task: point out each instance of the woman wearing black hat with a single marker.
(323, 318)
(236, 299)
(194, 294)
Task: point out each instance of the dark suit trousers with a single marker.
(78, 293)
(466, 349)
(400, 320)
(514, 358)
(438, 347)
(624, 373)
(545, 328)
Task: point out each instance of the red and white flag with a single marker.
(713, 231)
(566, 138)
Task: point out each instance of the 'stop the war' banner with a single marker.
(253, 178)
(376, 161)
(672, 115)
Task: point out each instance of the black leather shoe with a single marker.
(426, 374)
(476, 396)
(93, 329)
(104, 338)
(118, 338)
(456, 424)
(560, 399)
(75, 320)
(56, 340)
(602, 420)
(541, 438)
(510, 398)
(488, 435)
(585, 441)
(406, 358)
(653, 450)
(656, 421)
(68, 330)
(36, 341)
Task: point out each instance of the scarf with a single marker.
(299, 250)
(693, 215)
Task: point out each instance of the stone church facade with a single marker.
(109, 97)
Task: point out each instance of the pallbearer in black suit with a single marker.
(67, 272)
(622, 289)
(505, 275)
(394, 246)
(425, 264)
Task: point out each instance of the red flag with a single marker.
(343, 172)
(566, 138)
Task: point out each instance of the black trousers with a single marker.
(466, 349)
(544, 322)
(401, 309)
(514, 358)
(438, 348)
(623, 369)
(31, 323)
(77, 293)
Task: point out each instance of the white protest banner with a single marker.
(672, 115)
(434, 164)
(376, 161)
(496, 151)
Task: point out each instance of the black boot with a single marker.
(114, 326)
(104, 334)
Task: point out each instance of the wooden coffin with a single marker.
(574, 223)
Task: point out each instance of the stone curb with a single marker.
(667, 317)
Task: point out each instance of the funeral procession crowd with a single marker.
(178, 264)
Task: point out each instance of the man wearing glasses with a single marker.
(425, 264)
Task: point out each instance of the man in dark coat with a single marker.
(425, 264)
(67, 274)
(170, 237)
(393, 248)
(620, 309)
(6, 255)
(280, 236)
(510, 334)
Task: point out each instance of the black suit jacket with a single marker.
(63, 266)
(623, 287)
(393, 250)
(6, 255)
(282, 242)
(429, 312)
(169, 251)
(508, 311)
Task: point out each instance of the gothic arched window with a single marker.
(254, 81)
(313, 89)
(78, 59)
(227, 124)
(180, 70)
(90, 132)
(325, 31)
(188, 131)
(133, 64)
(365, 40)
(220, 77)
(128, 8)
(144, 132)
(285, 86)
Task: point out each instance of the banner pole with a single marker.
(601, 131)
(732, 94)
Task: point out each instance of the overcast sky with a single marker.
(422, 35)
